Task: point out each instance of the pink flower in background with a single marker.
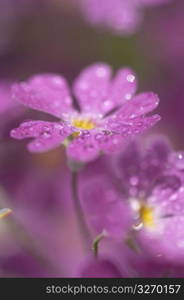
(108, 115)
(120, 16)
(145, 197)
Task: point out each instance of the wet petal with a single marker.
(130, 128)
(167, 243)
(123, 87)
(48, 135)
(104, 207)
(91, 87)
(127, 165)
(122, 17)
(177, 160)
(140, 105)
(45, 92)
(109, 142)
(83, 149)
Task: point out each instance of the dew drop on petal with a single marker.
(130, 78)
(128, 96)
(98, 136)
(107, 103)
(177, 159)
(85, 133)
(46, 135)
(58, 126)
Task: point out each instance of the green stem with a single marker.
(97, 240)
(78, 210)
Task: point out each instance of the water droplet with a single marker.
(98, 136)
(128, 96)
(58, 126)
(107, 132)
(177, 159)
(46, 133)
(107, 103)
(85, 133)
(138, 226)
(130, 78)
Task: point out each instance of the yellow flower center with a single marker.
(146, 216)
(5, 212)
(85, 124)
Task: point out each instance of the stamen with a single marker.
(85, 124)
(146, 216)
(5, 212)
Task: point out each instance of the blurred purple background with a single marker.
(40, 237)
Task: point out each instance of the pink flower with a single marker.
(120, 16)
(108, 115)
(143, 194)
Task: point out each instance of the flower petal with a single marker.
(140, 105)
(123, 87)
(83, 149)
(91, 87)
(117, 132)
(109, 143)
(45, 92)
(127, 165)
(128, 128)
(104, 207)
(48, 135)
(167, 243)
(122, 17)
(155, 159)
